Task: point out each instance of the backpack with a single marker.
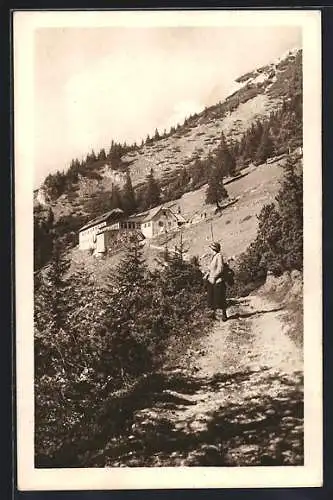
(228, 275)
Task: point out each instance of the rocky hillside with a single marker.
(258, 94)
(236, 227)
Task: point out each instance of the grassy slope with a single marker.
(235, 228)
(237, 225)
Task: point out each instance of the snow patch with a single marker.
(290, 52)
(260, 78)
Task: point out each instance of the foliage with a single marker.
(92, 344)
(216, 191)
(116, 198)
(278, 246)
(265, 148)
(152, 193)
(128, 196)
(225, 162)
(43, 236)
(55, 184)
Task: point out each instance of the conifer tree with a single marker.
(266, 146)
(216, 191)
(132, 269)
(51, 306)
(225, 162)
(184, 178)
(179, 277)
(115, 201)
(128, 196)
(102, 155)
(152, 195)
(197, 172)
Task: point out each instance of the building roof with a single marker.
(149, 214)
(112, 213)
(153, 212)
(139, 217)
(179, 217)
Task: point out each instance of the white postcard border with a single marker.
(30, 478)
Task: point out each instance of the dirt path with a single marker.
(237, 399)
(254, 338)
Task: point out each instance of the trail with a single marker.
(236, 399)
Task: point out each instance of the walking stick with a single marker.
(211, 231)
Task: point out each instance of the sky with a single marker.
(93, 85)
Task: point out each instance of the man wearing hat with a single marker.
(216, 288)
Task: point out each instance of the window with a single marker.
(160, 223)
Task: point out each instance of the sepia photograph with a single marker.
(168, 249)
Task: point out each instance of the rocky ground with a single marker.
(236, 399)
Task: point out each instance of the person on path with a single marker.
(216, 287)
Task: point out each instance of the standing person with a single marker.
(216, 287)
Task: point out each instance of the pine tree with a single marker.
(197, 172)
(251, 141)
(290, 206)
(157, 135)
(102, 155)
(132, 269)
(216, 191)
(179, 277)
(184, 178)
(266, 146)
(152, 195)
(115, 201)
(278, 246)
(51, 306)
(128, 196)
(225, 162)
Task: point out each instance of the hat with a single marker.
(215, 246)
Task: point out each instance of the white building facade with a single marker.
(88, 233)
(102, 233)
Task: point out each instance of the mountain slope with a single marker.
(261, 95)
(260, 92)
